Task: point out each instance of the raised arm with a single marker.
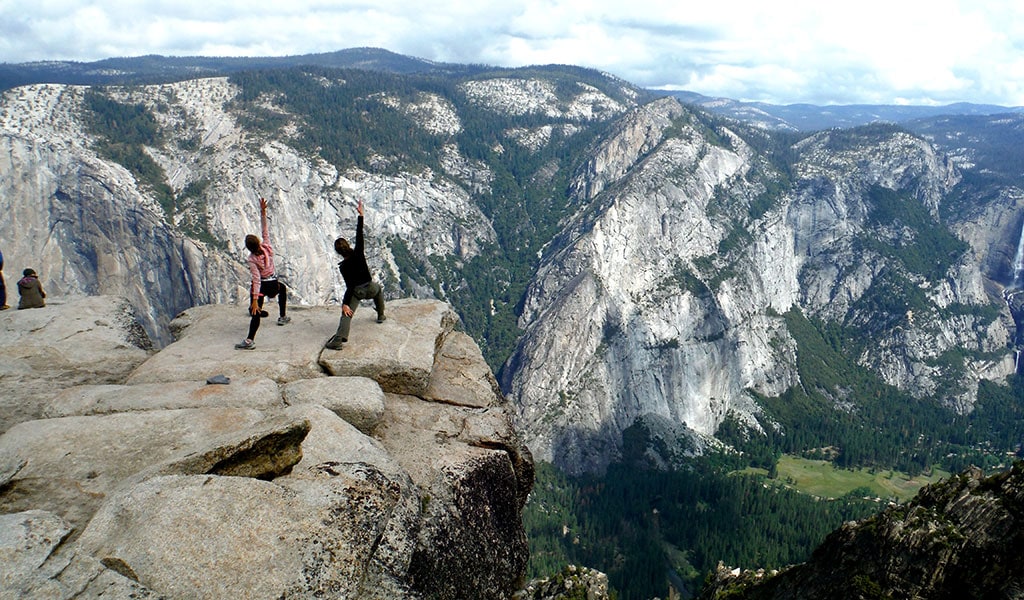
(359, 227)
(263, 220)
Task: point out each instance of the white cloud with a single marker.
(873, 51)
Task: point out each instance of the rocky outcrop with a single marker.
(571, 583)
(299, 475)
(959, 538)
(73, 341)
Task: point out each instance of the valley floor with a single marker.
(823, 479)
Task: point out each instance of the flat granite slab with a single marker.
(399, 353)
(206, 338)
(71, 341)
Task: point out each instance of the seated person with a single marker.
(31, 290)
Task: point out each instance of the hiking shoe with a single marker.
(334, 344)
(245, 345)
(5, 307)
(283, 320)
(381, 318)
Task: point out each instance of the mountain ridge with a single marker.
(154, 68)
(810, 117)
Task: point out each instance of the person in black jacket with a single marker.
(359, 285)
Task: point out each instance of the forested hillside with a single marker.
(650, 528)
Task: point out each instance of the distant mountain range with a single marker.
(162, 69)
(810, 117)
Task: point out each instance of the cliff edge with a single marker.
(387, 470)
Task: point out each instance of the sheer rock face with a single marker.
(959, 538)
(83, 223)
(88, 227)
(285, 482)
(665, 294)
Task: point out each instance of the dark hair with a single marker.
(341, 247)
(253, 244)
(28, 273)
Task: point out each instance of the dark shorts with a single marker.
(269, 288)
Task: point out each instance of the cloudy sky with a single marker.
(788, 51)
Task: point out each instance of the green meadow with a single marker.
(821, 478)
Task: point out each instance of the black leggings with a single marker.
(268, 289)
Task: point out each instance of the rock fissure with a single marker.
(120, 567)
(267, 458)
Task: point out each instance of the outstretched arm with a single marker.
(263, 220)
(359, 226)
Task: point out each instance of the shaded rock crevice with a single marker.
(268, 457)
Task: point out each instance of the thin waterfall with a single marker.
(1015, 305)
(1018, 261)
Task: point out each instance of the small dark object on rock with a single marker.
(221, 379)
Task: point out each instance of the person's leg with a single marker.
(378, 301)
(254, 322)
(282, 304)
(344, 324)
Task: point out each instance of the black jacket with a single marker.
(353, 269)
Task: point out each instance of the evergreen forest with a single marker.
(650, 529)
